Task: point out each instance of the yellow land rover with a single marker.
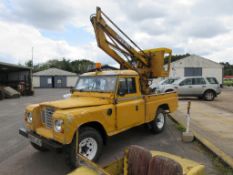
(103, 103)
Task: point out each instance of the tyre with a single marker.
(39, 148)
(158, 124)
(1, 95)
(209, 95)
(90, 146)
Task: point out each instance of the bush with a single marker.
(228, 82)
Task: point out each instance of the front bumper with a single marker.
(217, 93)
(44, 142)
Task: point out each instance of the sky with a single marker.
(62, 28)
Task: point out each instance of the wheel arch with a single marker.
(169, 90)
(212, 90)
(98, 126)
(165, 107)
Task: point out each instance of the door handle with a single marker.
(190, 86)
(204, 86)
(136, 107)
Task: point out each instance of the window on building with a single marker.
(192, 71)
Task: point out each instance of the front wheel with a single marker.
(158, 124)
(90, 146)
(209, 95)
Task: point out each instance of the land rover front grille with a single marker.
(46, 116)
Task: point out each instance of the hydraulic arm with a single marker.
(148, 63)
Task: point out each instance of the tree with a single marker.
(176, 57)
(28, 63)
(228, 68)
(77, 66)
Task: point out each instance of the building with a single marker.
(194, 65)
(54, 78)
(17, 77)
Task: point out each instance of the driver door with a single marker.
(185, 87)
(130, 109)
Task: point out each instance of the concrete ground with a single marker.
(18, 157)
(213, 121)
(224, 100)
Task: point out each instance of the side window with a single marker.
(131, 85)
(187, 81)
(198, 81)
(122, 85)
(212, 80)
(127, 86)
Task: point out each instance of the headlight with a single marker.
(58, 125)
(29, 117)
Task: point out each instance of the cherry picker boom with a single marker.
(148, 63)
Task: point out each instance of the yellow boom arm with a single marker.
(148, 63)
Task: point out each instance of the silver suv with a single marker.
(202, 87)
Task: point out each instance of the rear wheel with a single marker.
(90, 146)
(39, 148)
(209, 95)
(158, 124)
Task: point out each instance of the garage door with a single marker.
(60, 82)
(46, 82)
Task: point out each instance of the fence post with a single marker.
(187, 136)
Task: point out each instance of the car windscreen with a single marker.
(212, 80)
(169, 81)
(96, 84)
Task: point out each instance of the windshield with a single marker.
(169, 81)
(96, 84)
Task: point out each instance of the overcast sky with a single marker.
(61, 28)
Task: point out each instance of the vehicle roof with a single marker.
(172, 78)
(198, 77)
(183, 78)
(111, 72)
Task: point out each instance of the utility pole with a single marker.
(32, 55)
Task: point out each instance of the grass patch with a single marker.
(216, 161)
(221, 166)
(180, 127)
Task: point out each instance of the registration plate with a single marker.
(35, 140)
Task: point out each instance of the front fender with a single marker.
(74, 118)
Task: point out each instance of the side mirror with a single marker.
(121, 92)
